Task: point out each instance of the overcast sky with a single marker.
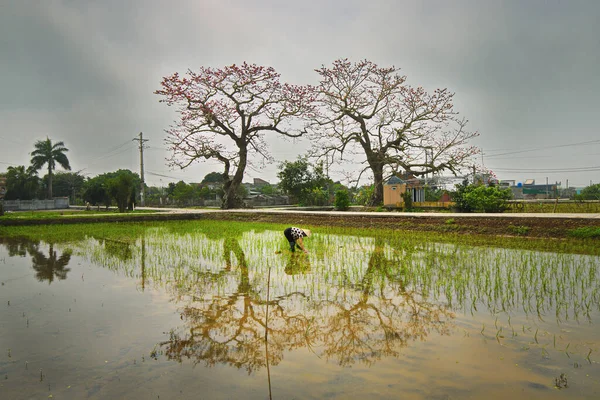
(526, 73)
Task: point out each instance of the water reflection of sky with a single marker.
(99, 317)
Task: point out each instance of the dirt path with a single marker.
(533, 225)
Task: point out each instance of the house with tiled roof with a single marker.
(396, 186)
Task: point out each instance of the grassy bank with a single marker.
(495, 226)
(130, 232)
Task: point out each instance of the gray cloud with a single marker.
(524, 73)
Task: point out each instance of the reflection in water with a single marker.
(375, 318)
(298, 264)
(118, 249)
(52, 266)
(297, 321)
(352, 300)
(385, 316)
(18, 247)
(48, 267)
(231, 329)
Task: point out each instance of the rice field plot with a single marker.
(225, 310)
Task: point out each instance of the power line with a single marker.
(157, 148)
(118, 147)
(163, 176)
(578, 169)
(548, 156)
(108, 154)
(543, 148)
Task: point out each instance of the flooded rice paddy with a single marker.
(221, 314)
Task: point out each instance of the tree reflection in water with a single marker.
(19, 247)
(369, 320)
(48, 267)
(385, 316)
(231, 329)
(353, 300)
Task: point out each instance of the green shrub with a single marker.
(408, 200)
(432, 194)
(364, 195)
(479, 198)
(342, 200)
(585, 233)
(460, 202)
(591, 192)
(519, 230)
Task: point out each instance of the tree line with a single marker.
(305, 183)
(302, 181)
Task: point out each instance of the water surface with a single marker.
(216, 315)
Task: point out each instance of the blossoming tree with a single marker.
(224, 115)
(370, 114)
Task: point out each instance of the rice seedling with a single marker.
(358, 296)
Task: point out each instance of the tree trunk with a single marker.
(375, 159)
(377, 169)
(231, 198)
(49, 183)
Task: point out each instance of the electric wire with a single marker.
(542, 148)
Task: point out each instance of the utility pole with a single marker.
(141, 141)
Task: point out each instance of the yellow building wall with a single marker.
(392, 194)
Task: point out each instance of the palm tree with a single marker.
(21, 183)
(47, 153)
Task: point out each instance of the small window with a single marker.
(393, 187)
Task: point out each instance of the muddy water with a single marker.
(178, 316)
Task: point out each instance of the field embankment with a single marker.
(533, 225)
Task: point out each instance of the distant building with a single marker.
(260, 182)
(507, 183)
(542, 191)
(530, 190)
(395, 187)
(484, 179)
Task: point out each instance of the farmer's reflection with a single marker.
(50, 267)
(298, 264)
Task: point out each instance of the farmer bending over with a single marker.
(294, 236)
